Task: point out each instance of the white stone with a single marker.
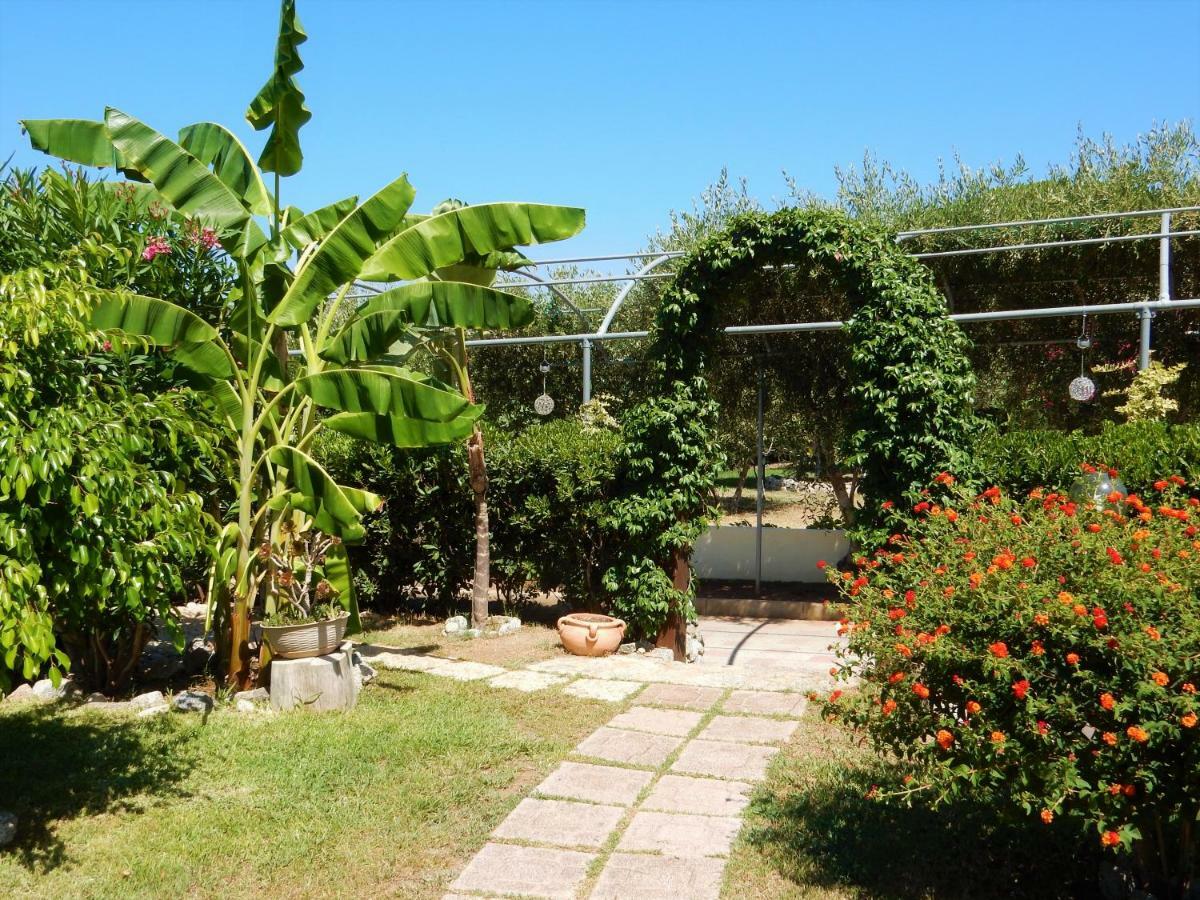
(528, 682)
(467, 671)
(595, 689)
(20, 694)
(45, 690)
(148, 700)
(246, 706)
(409, 662)
(257, 695)
(151, 711)
(456, 625)
(318, 683)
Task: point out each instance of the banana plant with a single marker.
(302, 351)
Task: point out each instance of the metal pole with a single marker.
(1164, 259)
(758, 500)
(587, 369)
(1144, 350)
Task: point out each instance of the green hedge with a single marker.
(1141, 452)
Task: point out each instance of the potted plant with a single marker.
(590, 634)
(304, 615)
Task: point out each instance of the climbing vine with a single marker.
(910, 378)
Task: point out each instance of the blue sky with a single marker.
(627, 109)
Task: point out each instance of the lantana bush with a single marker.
(1041, 654)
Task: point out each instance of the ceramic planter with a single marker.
(306, 639)
(590, 634)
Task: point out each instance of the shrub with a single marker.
(1044, 656)
(1019, 461)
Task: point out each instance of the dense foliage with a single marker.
(96, 519)
(1042, 653)
(910, 385)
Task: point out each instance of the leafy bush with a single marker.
(1019, 461)
(1044, 654)
(96, 520)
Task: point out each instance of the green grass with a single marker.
(729, 477)
(812, 833)
(391, 799)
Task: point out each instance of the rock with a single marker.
(70, 692)
(108, 706)
(246, 706)
(512, 626)
(197, 656)
(317, 683)
(694, 643)
(96, 697)
(148, 700)
(192, 701)
(258, 695)
(473, 633)
(8, 827)
(151, 711)
(45, 691)
(456, 625)
(665, 653)
(628, 648)
(160, 661)
(364, 672)
(22, 693)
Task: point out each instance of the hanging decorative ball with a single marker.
(544, 368)
(1096, 488)
(1082, 389)
(543, 405)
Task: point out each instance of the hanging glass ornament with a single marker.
(544, 404)
(1082, 388)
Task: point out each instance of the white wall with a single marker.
(789, 554)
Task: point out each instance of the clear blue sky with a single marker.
(627, 109)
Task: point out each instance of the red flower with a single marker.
(1110, 839)
(1137, 734)
(973, 707)
(1107, 700)
(834, 696)
(1072, 659)
(1020, 689)
(945, 739)
(921, 691)
(1029, 562)
(999, 649)
(1160, 485)
(1114, 557)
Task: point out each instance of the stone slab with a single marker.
(679, 835)
(765, 703)
(407, 662)
(318, 684)
(682, 695)
(521, 680)
(599, 689)
(722, 759)
(467, 671)
(659, 878)
(677, 722)
(526, 871)
(698, 796)
(595, 784)
(560, 823)
(633, 747)
(748, 730)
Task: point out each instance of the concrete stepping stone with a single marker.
(595, 784)
(521, 680)
(679, 835)
(602, 689)
(723, 759)
(677, 722)
(682, 695)
(698, 796)
(560, 823)
(408, 662)
(467, 671)
(659, 878)
(748, 730)
(527, 871)
(766, 703)
(633, 747)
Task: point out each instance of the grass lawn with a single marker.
(811, 833)
(391, 799)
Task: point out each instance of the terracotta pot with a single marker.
(590, 634)
(307, 638)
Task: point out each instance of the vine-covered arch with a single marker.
(910, 386)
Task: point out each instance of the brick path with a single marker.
(647, 807)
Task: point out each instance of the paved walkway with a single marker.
(650, 803)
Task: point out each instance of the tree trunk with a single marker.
(673, 633)
(743, 474)
(479, 589)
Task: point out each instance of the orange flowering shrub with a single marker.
(1040, 653)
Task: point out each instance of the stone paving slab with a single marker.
(698, 796)
(722, 759)
(600, 689)
(715, 675)
(467, 671)
(408, 662)
(527, 871)
(678, 835)
(596, 784)
(684, 695)
(520, 680)
(765, 703)
(633, 747)
(628, 876)
(791, 643)
(748, 730)
(677, 722)
(560, 823)
(739, 625)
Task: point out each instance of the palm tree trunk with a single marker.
(478, 471)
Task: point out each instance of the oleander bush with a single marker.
(1042, 655)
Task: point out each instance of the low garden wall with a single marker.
(727, 552)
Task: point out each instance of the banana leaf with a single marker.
(307, 229)
(163, 323)
(245, 350)
(472, 231)
(341, 255)
(339, 574)
(279, 105)
(228, 402)
(400, 431)
(214, 146)
(333, 510)
(382, 391)
(222, 571)
(205, 358)
(80, 141)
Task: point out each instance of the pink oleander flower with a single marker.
(156, 247)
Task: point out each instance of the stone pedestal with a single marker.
(318, 683)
